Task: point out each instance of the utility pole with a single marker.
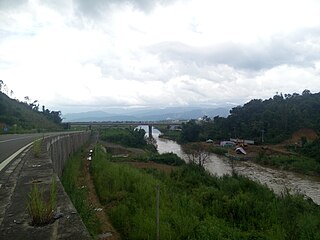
(157, 207)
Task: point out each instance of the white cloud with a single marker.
(158, 53)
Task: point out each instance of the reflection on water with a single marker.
(275, 179)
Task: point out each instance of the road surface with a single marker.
(11, 143)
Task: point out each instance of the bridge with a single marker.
(150, 124)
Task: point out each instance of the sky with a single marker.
(81, 55)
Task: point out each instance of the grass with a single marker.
(302, 164)
(71, 180)
(37, 148)
(40, 207)
(217, 150)
(197, 205)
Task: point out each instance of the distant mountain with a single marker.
(173, 113)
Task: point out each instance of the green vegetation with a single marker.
(312, 150)
(40, 207)
(217, 150)
(71, 181)
(279, 117)
(174, 135)
(37, 148)
(21, 117)
(300, 164)
(167, 158)
(197, 205)
(128, 137)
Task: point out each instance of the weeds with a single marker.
(197, 205)
(37, 148)
(71, 180)
(40, 207)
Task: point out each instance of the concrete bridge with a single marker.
(19, 172)
(150, 124)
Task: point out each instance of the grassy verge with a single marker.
(78, 194)
(301, 164)
(196, 205)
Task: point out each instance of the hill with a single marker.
(273, 120)
(172, 113)
(17, 116)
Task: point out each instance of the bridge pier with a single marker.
(150, 131)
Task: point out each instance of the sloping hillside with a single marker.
(274, 119)
(18, 116)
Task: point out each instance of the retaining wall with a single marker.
(60, 148)
(21, 176)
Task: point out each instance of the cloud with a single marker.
(98, 8)
(11, 4)
(295, 49)
(156, 53)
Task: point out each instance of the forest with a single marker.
(270, 121)
(19, 117)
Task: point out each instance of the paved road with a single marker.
(11, 143)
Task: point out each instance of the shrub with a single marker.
(167, 158)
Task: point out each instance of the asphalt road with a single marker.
(11, 143)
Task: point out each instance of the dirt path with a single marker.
(108, 232)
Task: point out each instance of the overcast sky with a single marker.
(87, 55)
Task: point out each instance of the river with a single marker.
(276, 179)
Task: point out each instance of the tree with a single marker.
(1, 84)
(306, 92)
(196, 154)
(190, 131)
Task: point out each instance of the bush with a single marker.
(167, 158)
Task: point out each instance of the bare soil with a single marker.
(279, 149)
(310, 134)
(145, 165)
(101, 211)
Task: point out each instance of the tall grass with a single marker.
(197, 205)
(40, 206)
(37, 148)
(71, 180)
(300, 164)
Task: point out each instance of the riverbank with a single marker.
(276, 156)
(194, 204)
(276, 179)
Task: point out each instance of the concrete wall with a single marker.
(60, 148)
(27, 170)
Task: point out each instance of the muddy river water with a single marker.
(275, 179)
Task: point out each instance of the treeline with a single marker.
(272, 120)
(16, 116)
(128, 137)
